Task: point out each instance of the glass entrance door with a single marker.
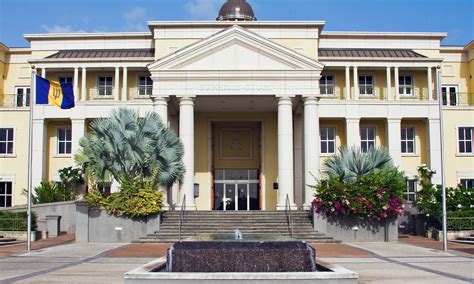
(241, 193)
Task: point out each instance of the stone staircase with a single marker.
(8, 241)
(220, 225)
(465, 240)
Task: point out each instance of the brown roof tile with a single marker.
(359, 52)
(104, 53)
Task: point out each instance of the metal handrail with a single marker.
(181, 215)
(289, 215)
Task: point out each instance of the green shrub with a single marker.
(49, 192)
(16, 221)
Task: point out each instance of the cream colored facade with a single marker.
(246, 95)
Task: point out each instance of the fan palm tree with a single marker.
(351, 163)
(125, 145)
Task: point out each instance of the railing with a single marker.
(460, 223)
(181, 216)
(13, 224)
(289, 215)
(15, 100)
(458, 99)
(102, 93)
(141, 92)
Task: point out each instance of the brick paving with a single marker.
(464, 249)
(9, 250)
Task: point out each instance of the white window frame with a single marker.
(403, 87)
(448, 97)
(458, 141)
(146, 86)
(14, 142)
(11, 195)
(24, 100)
(326, 86)
(106, 86)
(65, 128)
(407, 193)
(365, 85)
(328, 140)
(465, 178)
(406, 140)
(367, 140)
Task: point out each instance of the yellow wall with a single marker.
(16, 74)
(17, 164)
(410, 162)
(164, 47)
(55, 162)
(307, 47)
(203, 176)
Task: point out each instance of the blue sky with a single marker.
(18, 17)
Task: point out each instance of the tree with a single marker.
(351, 163)
(125, 146)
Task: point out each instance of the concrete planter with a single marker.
(452, 235)
(95, 225)
(349, 229)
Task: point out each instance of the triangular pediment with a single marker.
(235, 49)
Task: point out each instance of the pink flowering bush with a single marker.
(375, 196)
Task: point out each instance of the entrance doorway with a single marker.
(236, 190)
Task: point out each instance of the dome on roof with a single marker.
(236, 10)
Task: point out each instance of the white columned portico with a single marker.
(356, 83)
(160, 106)
(43, 72)
(78, 130)
(430, 83)
(311, 148)
(435, 148)
(125, 84)
(389, 84)
(186, 133)
(394, 138)
(39, 151)
(348, 83)
(117, 84)
(353, 132)
(76, 84)
(397, 88)
(285, 153)
(83, 85)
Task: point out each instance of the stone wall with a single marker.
(348, 229)
(96, 226)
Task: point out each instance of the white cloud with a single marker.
(203, 9)
(135, 19)
(60, 29)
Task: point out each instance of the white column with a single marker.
(435, 149)
(39, 151)
(348, 83)
(78, 130)
(394, 140)
(285, 153)
(125, 84)
(430, 84)
(76, 84)
(353, 132)
(397, 91)
(160, 106)
(311, 148)
(186, 133)
(117, 84)
(84, 86)
(356, 84)
(43, 72)
(389, 84)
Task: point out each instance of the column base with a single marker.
(307, 206)
(165, 207)
(280, 207)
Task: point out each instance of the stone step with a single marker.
(5, 240)
(465, 239)
(463, 242)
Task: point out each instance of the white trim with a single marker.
(9, 178)
(321, 126)
(448, 98)
(15, 133)
(415, 145)
(367, 74)
(334, 85)
(466, 154)
(404, 86)
(375, 134)
(137, 94)
(63, 155)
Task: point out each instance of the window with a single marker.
(410, 194)
(145, 86)
(465, 140)
(467, 183)
(328, 140)
(405, 85)
(22, 96)
(367, 138)
(65, 80)
(6, 141)
(104, 187)
(366, 85)
(104, 87)
(64, 141)
(408, 140)
(5, 194)
(326, 85)
(450, 95)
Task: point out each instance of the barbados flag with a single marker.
(54, 93)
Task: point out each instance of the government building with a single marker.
(258, 105)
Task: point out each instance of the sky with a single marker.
(18, 17)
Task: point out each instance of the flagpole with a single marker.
(30, 152)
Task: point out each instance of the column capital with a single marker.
(352, 119)
(78, 120)
(311, 100)
(394, 120)
(160, 99)
(285, 100)
(186, 100)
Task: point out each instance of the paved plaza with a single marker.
(412, 260)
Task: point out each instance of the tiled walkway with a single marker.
(22, 247)
(467, 250)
